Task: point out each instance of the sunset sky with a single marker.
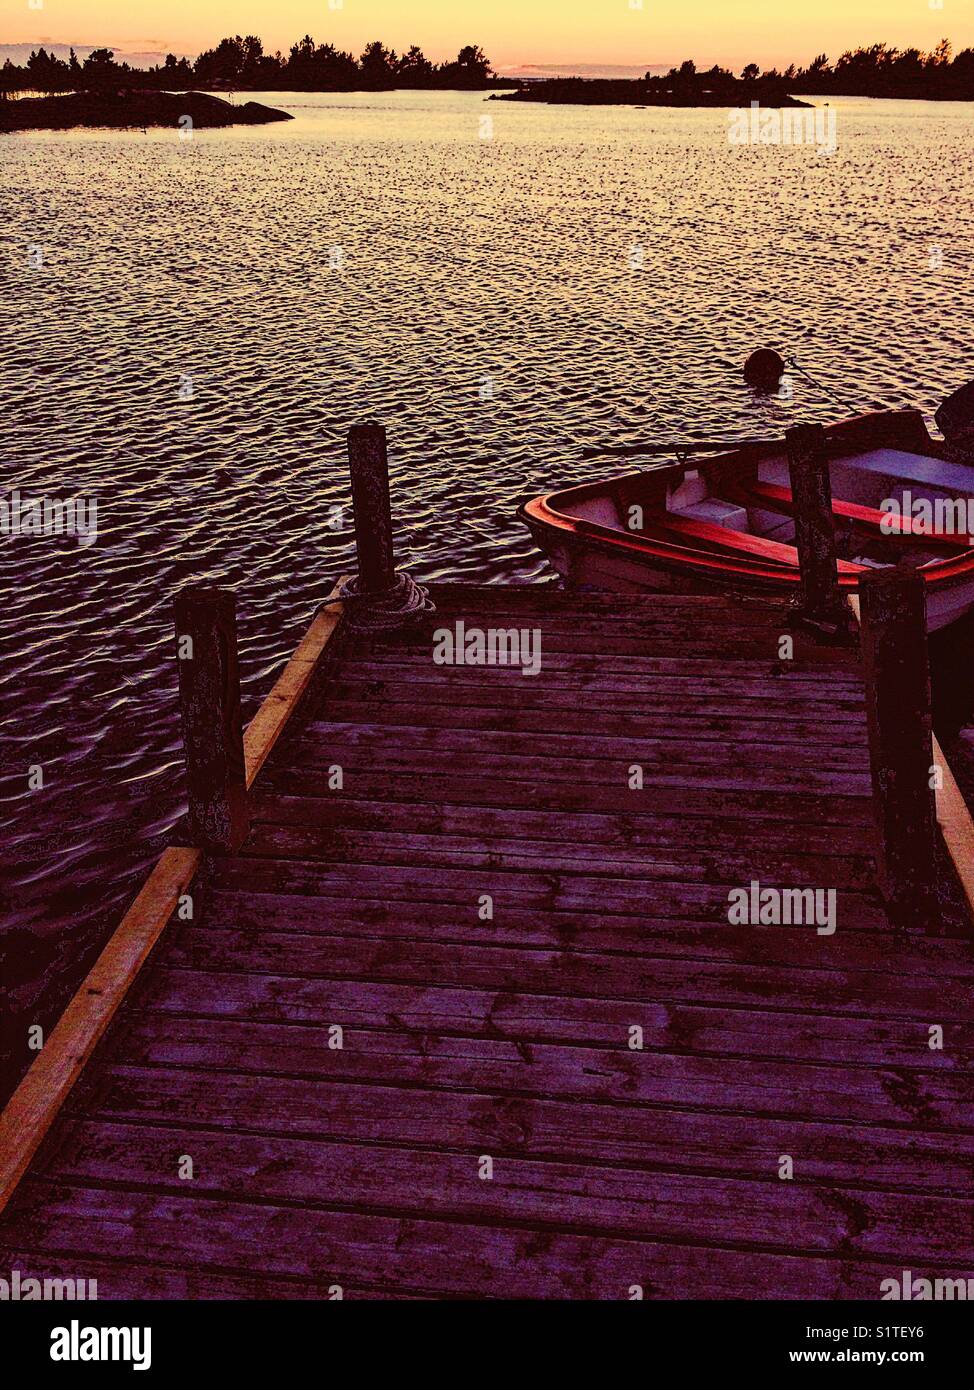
(513, 32)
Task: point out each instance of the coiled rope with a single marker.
(404, 603)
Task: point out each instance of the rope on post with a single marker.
(379, 598)
(404, 603)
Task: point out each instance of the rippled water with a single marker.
(585, 275)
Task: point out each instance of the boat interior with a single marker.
(742, 503)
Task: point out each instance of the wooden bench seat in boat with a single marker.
(776, 498)
(899, 466)
(719, 538)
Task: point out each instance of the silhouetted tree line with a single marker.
(242, 63)
(716, 86)
(876, 71)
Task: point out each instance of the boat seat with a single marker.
(916, 468)
(894, 464)
(780, 499)
(775, 526)
(722, 539)
(879, 473)
(721, 513)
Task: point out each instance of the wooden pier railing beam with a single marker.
(368, 462)
(811, 489)
(893, 615)
(209, 692)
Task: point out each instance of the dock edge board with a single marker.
(34, 1105)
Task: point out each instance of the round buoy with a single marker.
(764, 369)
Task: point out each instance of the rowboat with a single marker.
(727, 522)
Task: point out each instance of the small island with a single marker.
(876, 71)
(137, 109)
(676, 89)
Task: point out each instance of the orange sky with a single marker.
(769, 32)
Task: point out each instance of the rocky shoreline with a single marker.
(132, 110)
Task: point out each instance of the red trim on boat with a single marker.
(543, 513)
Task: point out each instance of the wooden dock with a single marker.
(491, 1124)
(443, 995)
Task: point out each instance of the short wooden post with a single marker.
(893, 613)
(368, 462)
(209, 692)
(811, 490)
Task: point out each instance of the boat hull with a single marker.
(587, 566)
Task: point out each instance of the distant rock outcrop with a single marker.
(137, 109)
(661, 91)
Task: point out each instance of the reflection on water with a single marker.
(199, 321)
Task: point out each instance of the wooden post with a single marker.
(893, 614)
(209, 692)
(369, 467)
(811, 490)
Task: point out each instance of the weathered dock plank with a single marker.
(544, 1193)
(591, 1085)
(404, 1252)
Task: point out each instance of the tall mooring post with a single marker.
(209, 693)
(368, 462)
(893, 615)
(811, 491)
